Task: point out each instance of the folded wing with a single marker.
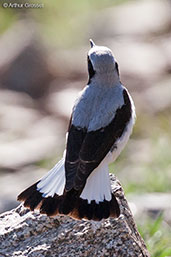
(86, 150)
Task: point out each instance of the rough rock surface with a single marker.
(23, 233)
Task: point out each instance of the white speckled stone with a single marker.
(24, 233)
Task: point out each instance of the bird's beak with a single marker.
(92, 44)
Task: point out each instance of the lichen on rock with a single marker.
(24, 233)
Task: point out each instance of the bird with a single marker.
(101, 123)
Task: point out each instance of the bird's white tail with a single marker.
(54, 181)
(95, 201)
(98, 186)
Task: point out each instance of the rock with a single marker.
(40, 142)
(62, 102)
(27, 136)
(139, 39)
(155, 99)
(133, 19)
(12, 98)
(165, 44)
(23, 233)
(26, 151)
(23, 66)
(140, 58)
(151, 204)
(12, 183)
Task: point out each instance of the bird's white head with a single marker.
(101, 62)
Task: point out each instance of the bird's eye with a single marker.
(91, 71)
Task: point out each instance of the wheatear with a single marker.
(101, 123)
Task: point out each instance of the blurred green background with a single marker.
(42, 69)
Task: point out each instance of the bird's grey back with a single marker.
(96, 106)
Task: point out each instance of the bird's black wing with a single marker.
(86, 150)
(75, 140)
